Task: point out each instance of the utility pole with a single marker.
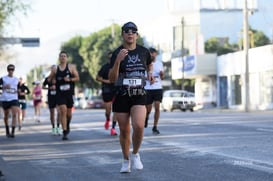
(182, 53)
(246, 47)
(113, 29)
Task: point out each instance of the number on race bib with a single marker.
(38, 97)
(53, 92)
(132, 82)
(65, 87)
(11, 90)
(22, 101)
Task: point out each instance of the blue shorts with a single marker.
(23, 105)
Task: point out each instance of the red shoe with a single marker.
(107, 124)
(113, 132)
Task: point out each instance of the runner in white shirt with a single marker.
(9, 85)
(154, 91)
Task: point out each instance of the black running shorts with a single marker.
(52, 102)
(108, 97)
(9, 104)
(123, 103)
(154, 95)
(65, 99)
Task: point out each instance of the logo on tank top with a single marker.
(133, 59)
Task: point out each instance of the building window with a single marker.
(236, 93)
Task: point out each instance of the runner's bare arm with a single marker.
(161, 75)
(75, 73)
(100, 79)
(52, 74)
(114, 71)
(150, 73)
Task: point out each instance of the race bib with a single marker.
(65, 87)
(132, 82)
(22, 100)
(53, 92)
(11, 90)
(156, 78)
(38, 97)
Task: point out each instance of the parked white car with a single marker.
(178, 99)
(80, 103)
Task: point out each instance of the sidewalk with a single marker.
(226, 110)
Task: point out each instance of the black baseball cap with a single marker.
(152, 50)
(10, 66)
(129, 25)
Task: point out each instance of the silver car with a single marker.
(178, 99)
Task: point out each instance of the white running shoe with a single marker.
(126, 166)
(53, 131)
(136, 162)
(59, 131)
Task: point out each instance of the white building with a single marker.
(204, 19)
(231, 79)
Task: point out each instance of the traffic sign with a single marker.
(30, 42)
(26, 42)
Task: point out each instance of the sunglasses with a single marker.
(127, 31)
(10, 69)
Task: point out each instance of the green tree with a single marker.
(9, 9)
(256, 39)
(213, 45)
(96, 46)
(73, 48)
(260, 39)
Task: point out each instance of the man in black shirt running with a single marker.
(65, 75)
(52, 103)
(108, 94)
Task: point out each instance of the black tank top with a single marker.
(61, 85)
(50, 92)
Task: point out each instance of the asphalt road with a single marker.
(205, 146)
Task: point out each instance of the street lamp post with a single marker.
(182, 53)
